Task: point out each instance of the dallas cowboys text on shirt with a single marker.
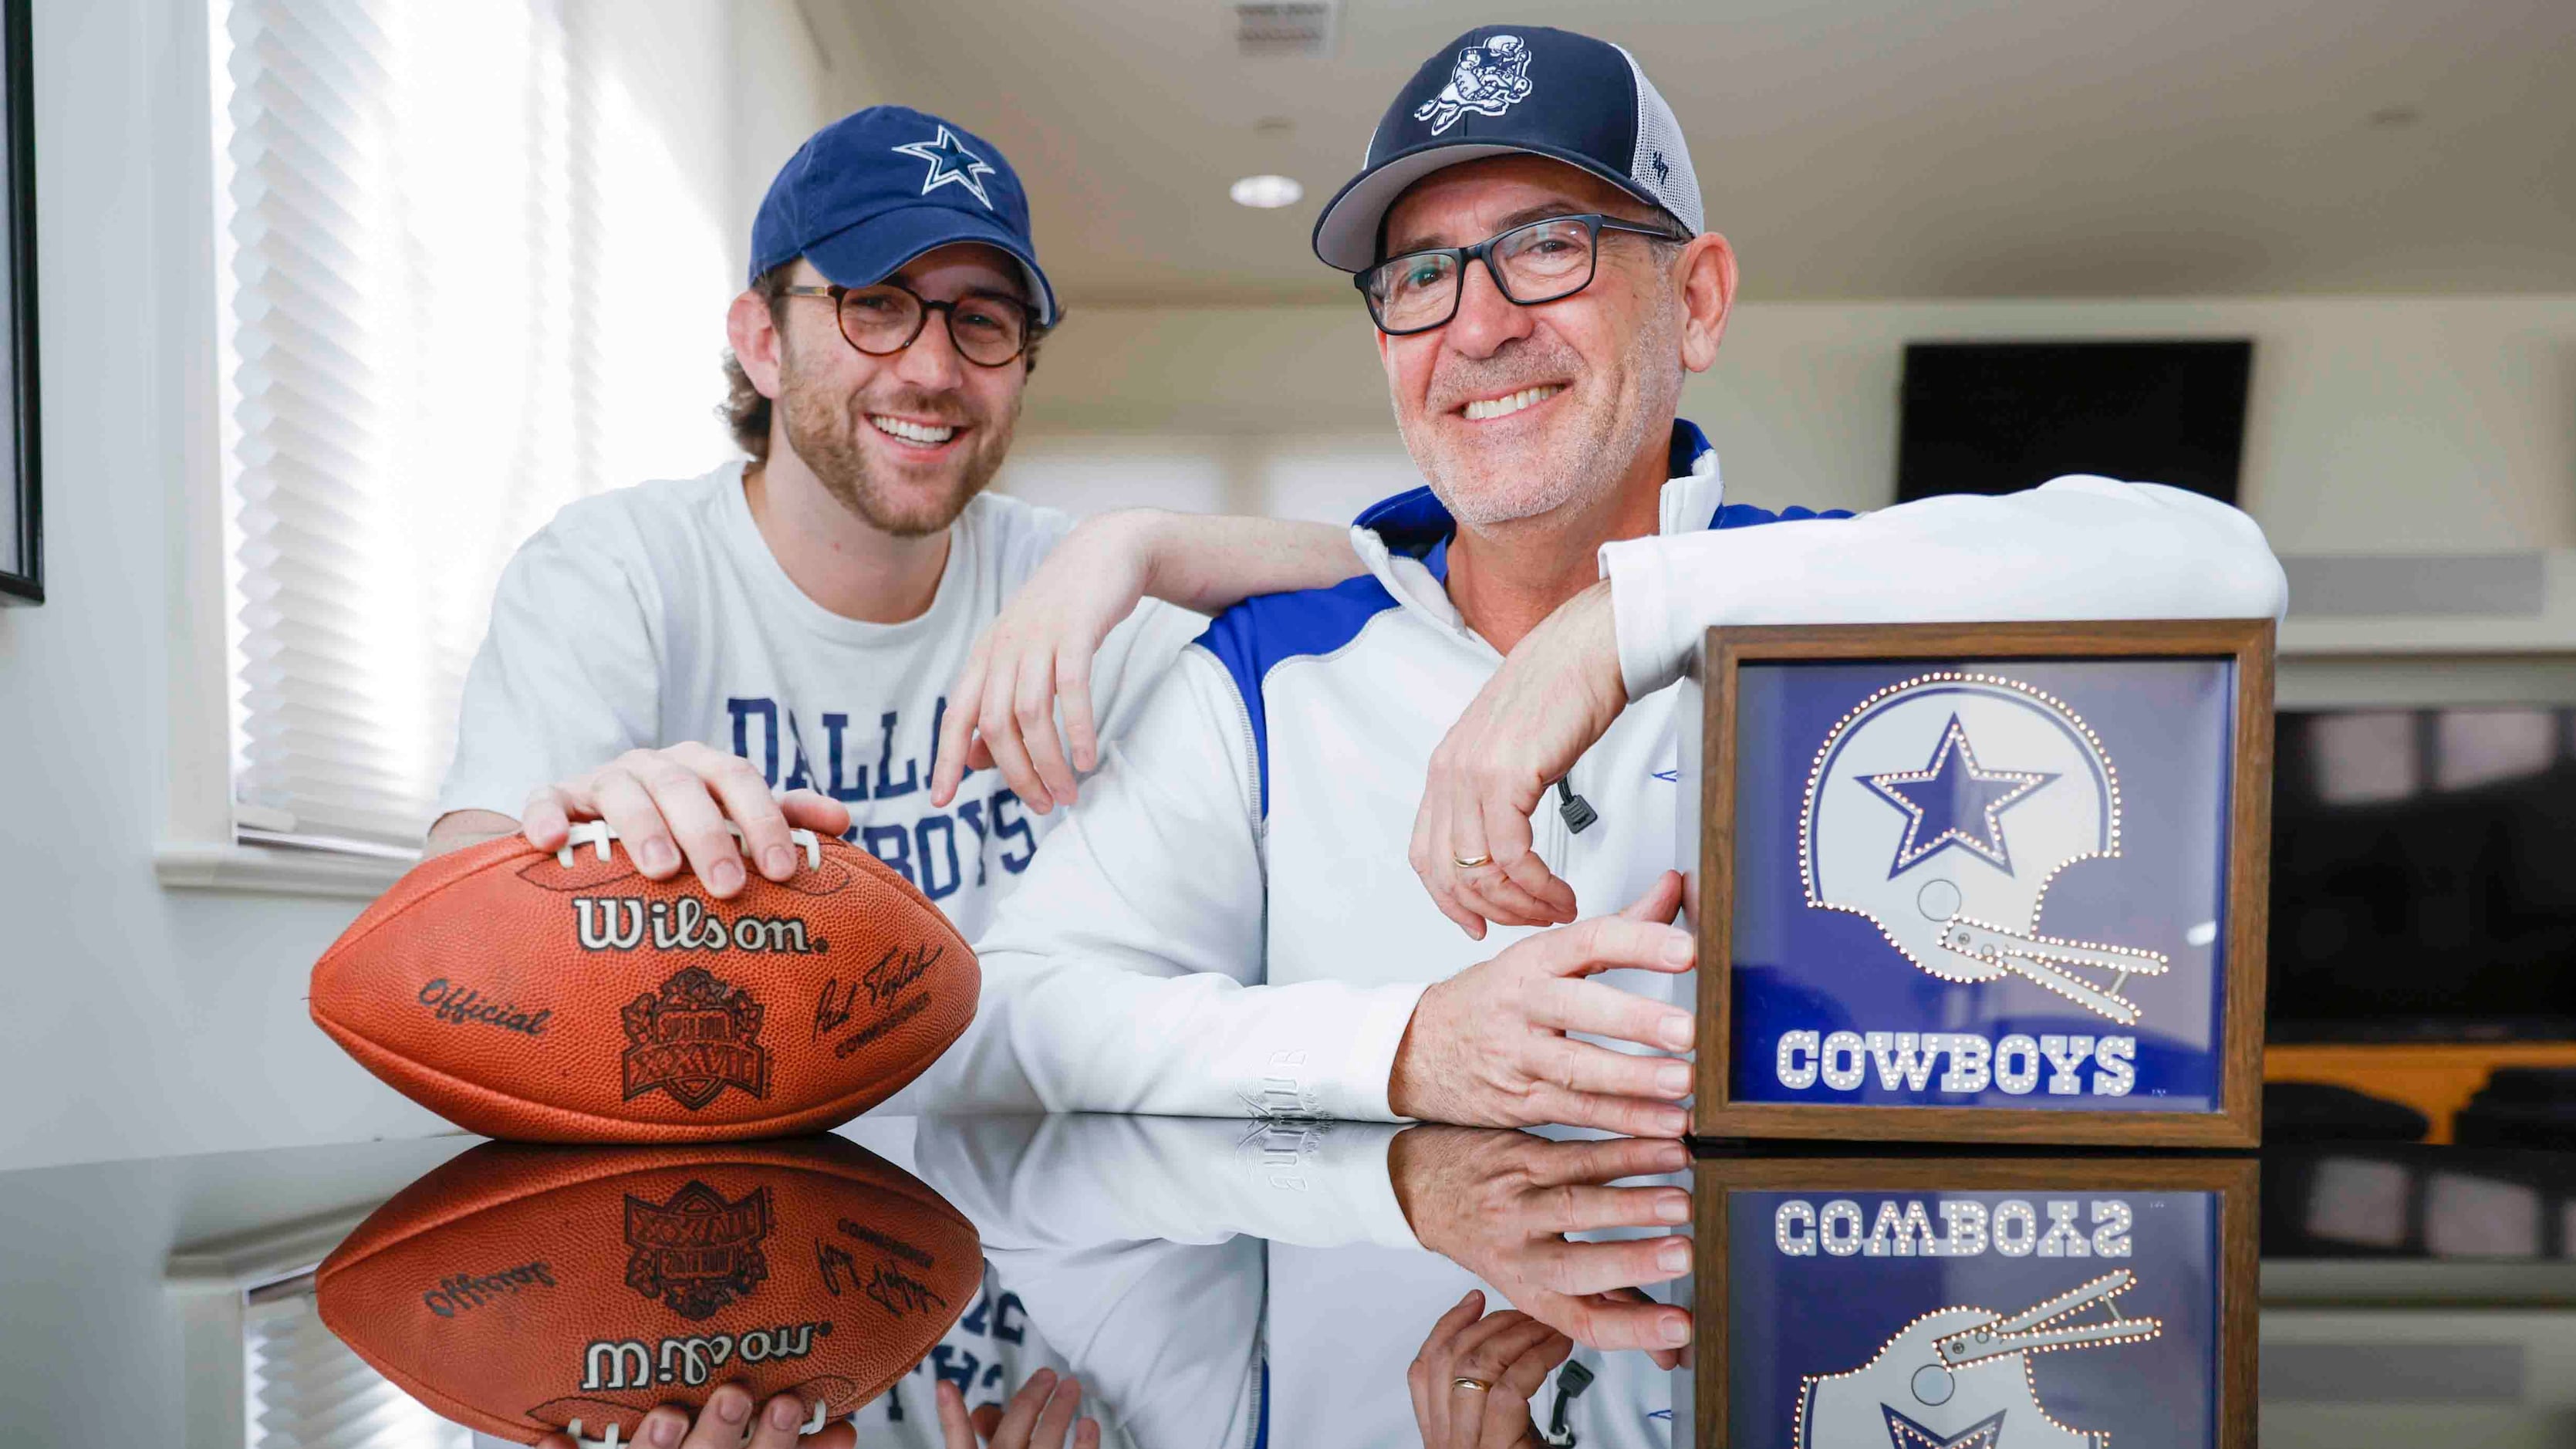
(2012, 1228)
(927, 850)
(2071, 1064)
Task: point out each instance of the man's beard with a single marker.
(823, 427)
(1585, 453)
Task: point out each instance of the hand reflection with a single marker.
(1039, 1417)
(1500, 1204)
(1509, 1353)
(723, 1423)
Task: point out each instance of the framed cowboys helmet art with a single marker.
(1988, 882)
(1991, 1303)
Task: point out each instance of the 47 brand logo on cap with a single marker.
(1488, 79)
(693, 1038)
(697, 1252)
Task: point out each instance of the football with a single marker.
(565, 997)
(520, 1288)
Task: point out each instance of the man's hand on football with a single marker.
(670, 806)
(722, 1425)
(1556, 693)
(1499, 1204)
(1038, 652)
(1489, 1047)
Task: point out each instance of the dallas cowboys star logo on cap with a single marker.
(1946, 801)
(950, 162)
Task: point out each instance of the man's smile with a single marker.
(918, 435)
(1487, 409)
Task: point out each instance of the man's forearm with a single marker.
(458, 829)
(2071, 549)
(1208, 562)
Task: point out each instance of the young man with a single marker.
(1227, 928)
(665, 657)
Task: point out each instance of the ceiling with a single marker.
(1848, 148)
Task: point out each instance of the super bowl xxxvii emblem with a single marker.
(1487, 79)
(697, 1252)
(1942, 807)
(1960, 1378)
(693, 1037)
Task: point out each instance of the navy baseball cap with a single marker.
(878, 187)
(1516, 89)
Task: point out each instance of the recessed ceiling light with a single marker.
(1267, 191)
(2388, 117)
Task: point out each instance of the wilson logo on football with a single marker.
(693, 1038)
(697, 1252)
(626, 923)
(1941, 809)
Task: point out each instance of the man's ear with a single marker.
(754, 335)
(1706, 272)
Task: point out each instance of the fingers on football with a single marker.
(625, 805)
(1033, 710)
(815, 811)
(683, 796)
(957, 726)
(778, 1422)
(722, 1422)
(546, 818)
(745, 799)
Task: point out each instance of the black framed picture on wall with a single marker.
(22, 519)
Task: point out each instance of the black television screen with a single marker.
(1998, 417)
(2424, 875)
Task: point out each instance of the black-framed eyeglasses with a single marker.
(885, 319)
(1542, 261)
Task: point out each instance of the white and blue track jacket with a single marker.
(1226, 924)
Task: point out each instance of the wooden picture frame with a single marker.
(2233, 1180)
(22, 532)
(1973, 656)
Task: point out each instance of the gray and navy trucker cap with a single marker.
(1527, 89)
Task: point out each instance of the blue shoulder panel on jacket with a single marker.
(1262, 632)
(1746, 515)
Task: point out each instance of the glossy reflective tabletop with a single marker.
(1241, 1283)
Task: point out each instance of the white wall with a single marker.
(2375, 424)
(141, 1020)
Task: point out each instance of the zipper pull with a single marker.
(1578, 812)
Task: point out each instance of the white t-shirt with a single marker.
(655, 614)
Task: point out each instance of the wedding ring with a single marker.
(1470, 862)
(1464, 1382)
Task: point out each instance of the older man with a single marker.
(1226, 925)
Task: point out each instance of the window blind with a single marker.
(464, 278)
(304, 1389)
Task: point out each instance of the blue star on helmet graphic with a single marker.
(1954, 801)
(950, 164)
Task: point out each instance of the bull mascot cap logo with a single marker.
(1960, 1378)
(1487, 79)
(1941, 809)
